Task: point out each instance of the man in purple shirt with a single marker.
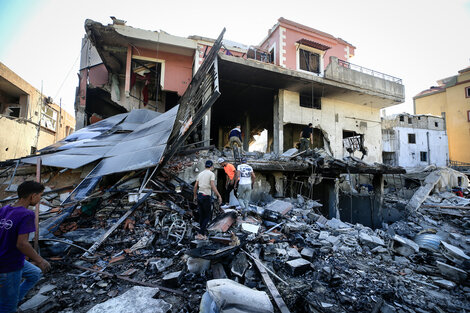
(16, 222)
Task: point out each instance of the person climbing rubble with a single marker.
(235, 141)
(246, 177)
(16, 222)
(202, 195)
(230, 172)
(306, 137)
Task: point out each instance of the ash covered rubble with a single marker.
(285, 248)
(118, 222)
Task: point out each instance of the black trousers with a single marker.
(227, 192)
(205, 211)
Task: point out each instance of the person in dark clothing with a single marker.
(306, 137)
(202, 195)
(235, 136)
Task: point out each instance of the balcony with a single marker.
(358, 76)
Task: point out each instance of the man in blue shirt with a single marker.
(235, 136)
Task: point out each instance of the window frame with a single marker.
(414, 138)
(45, 117)
(321, 62)
(467, 92)
(425, 154)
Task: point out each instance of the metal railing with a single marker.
(369, 71)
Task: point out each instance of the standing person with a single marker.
(235, 136)
(205, 184)
(16, 222)
(306, 137)
(245, 185)
(230, 172)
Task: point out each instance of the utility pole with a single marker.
(41, 103)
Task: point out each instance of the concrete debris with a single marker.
(136, 300)
(317, 237)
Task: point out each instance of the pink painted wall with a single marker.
(293, 34)
(178, 68)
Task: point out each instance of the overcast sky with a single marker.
(417, 40)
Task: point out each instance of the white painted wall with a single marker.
(349, 117)
(409, 154)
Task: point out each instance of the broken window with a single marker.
(308, 101)
(353, 141)
(423, 156)
(411, 138)
(309, 61)
(48, 117)
(402, 118)
(14, 111)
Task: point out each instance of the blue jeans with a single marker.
(12, 290)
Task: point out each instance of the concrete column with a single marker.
(279, 184)
(220, 142)
(378, 184)
(247, 132)
(206, 128)
(278, 125)
(333, 198)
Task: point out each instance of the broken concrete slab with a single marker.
(451, 272)
(298, 266)
(453, 253)
(404, 246)
(34, 303)
(171, 279)
(138, 299)
(279, 206)
(370, 240)
(445, 284)
(293, 253)
(307, 253)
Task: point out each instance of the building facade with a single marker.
(295, 76)
(29, 120)
(414, 141)
(451, 100)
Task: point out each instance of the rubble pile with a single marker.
(295, 257)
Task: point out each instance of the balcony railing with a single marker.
(369, 71)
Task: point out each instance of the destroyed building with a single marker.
(31, 119)
(297, 75)
(414, 140)
(326, 231)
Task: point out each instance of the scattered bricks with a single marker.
(171, 279)
(293, 253)
(307, 253)
(298, 266)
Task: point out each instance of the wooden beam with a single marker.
(271, 287)
(127, 84)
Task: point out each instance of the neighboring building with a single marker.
(295, 76)
(29, 121)
(414, 140)
(451, 100)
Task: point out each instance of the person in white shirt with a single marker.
(246, 177)
(202, 195)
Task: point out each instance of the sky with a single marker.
(419, 41)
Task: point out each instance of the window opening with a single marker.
(309, 61)
(14, 112)
(411, 138)
(310, 101)
(410, 120)
(423, 156)
(49, 117)
(402, 118)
